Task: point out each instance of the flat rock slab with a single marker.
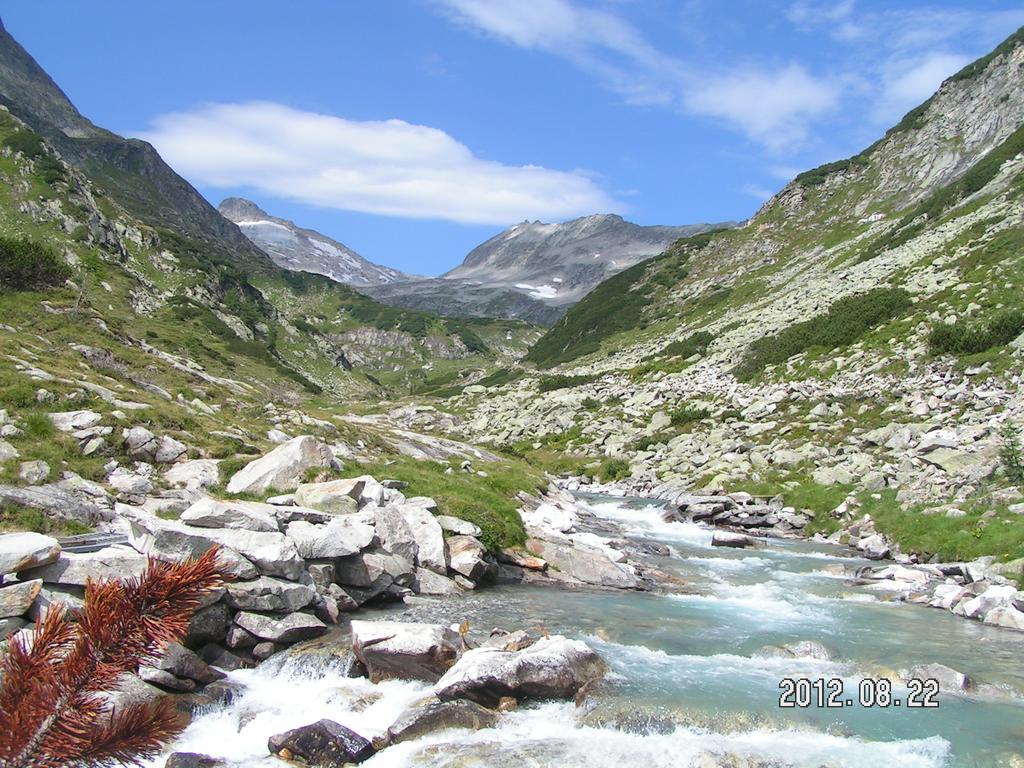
(242, 515)
(269, 594)
(54, 500)
(551, 668)
(283, 468)
(19, 551)
(281, 629)
(392, 650)
(76, 569)
(341, 537)
(434, 715)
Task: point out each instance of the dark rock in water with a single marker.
(218, 656)
(735, 540)
(224, 691)
(552, 668)
(434, 715)
(324, 743)
(193, 760)
(182, 662)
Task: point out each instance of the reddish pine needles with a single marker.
(52, 709)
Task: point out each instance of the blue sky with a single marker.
(412, 130)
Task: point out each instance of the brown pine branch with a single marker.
(49, 694)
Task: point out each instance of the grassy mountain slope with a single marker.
(861, 334)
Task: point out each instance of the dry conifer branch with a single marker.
(52, 712)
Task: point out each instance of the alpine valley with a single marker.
(585, 499)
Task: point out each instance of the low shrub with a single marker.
(612, 470)
(26, 265)
(845, 322)
(972, 337)
(688, 414)
(551, 383)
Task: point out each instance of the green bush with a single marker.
(39, 426)
(26, 265)
(688, 414)
(1010, 454)
(612, 470)
(978, 336)
(551, 383)
(845, 322)
(500, 377)
(694, 344)
(28, 143)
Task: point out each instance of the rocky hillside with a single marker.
(535, 271)
(304, 250)
(857, 342)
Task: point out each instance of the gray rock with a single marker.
(183, 663)
(34, 472)
(20, 551)
(171, 541)
(69, 421)
(874, 547)
(433, 715)
(950, 680)
(551, 668)
(341, 537)
(402, 651)
(7, 451)
(128, 483)
(244, 515)
(339, 497)
(281, 629)
(193, 760)
(163, 679)
(728, 539)
(431, 583)
(194, 475)
(372, 573)
(394, 534)
(325, 743)
(209, 625)
(283, 468)
(457, 526)
(17, 598)
(269, 594)
(590, 566)
(431, 552)
(75, 569)
(1007, 617)
(55, 500)
(467, 557)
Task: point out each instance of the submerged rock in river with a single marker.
(324, 743)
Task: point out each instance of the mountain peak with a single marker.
(236, 208)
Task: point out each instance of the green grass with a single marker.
(845, 322)
(950, 538)
(805, 495)
(612, 470)
(17, 518)
(501, 376)
(489, 502)
(688, 414)
(968, 338)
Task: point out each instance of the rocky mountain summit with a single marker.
(305, 250)
(535, 271)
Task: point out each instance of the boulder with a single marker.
(432, 715)
(324, 743)
(17, 598)
(283, 468)
(244, 515)
(54, 500)
(339, 497)
(20, 551)
(404, 651)
(281, 629)
(183, 663)
(341, 537)
(585, 564)
(171, 541)
(431, 583)
(429, 538)
(1000, 596)
(272, 553)
(129, 484)
(269, 594)
(7, 451)
(874, 547)
(372, 573)
(34, 472)
(70, 421)
(394, 534)
(551, 668)
(75, 569)
(950, 680)
(208, 625)
(466, 556)
(728, 539)
(194, 475)
(1006, 616)
(457, 526)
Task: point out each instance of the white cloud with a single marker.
(908, 83)
(386, 167)
(761, 193)
(771, 107)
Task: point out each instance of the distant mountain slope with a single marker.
(535, 271)
(305, 250)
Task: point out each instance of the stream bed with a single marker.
(695, 676)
